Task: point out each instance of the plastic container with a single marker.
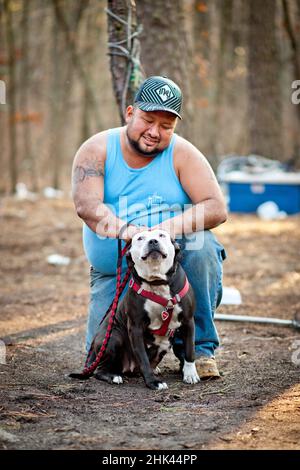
(246, 192)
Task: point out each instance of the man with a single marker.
(145, 175)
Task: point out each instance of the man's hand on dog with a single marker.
(131, 230)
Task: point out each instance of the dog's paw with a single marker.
(157, 385)
(162, 386)
(117, 379)
(157, 371)
(108, 377)
(190, 375)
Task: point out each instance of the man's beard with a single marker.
(135, 144)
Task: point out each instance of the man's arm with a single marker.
(88, 190)
(199, 182)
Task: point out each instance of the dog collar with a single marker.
(168, 304)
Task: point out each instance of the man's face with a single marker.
(149, 133)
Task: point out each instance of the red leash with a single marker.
(88, 370)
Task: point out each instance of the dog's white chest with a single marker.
(154, 311)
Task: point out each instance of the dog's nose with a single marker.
(153, 242)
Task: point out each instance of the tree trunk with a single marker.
(201, 29)
(223, 58)
(265, 114)
(11, 97)
(165, 50)
(292, 26)
(55, 150)
(127, 76)
(28, 156)
(3, 101)
(200, 77)
(72, 50)
(64, 63)
(293, 34)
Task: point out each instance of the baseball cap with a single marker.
(159, 94)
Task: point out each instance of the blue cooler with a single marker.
(246, 192)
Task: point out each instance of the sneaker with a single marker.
(207, 368)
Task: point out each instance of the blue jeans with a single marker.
(203, 267)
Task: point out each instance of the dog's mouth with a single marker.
(154, 253)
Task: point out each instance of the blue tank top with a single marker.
(142, 196)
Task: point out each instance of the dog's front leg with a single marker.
(190, 375)
(136, 338)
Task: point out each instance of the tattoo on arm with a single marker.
(92, 169)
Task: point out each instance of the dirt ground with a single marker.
(256, 403)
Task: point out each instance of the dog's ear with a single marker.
(177, 249)
(177, 257)
(130, 263)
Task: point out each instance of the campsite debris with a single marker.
(251, 164)
(22, 193)
(295, 323)
(220, 391)
(7, 437)
(270, 211)
(58, 260)
(231, 296)
(253, 181)
(52, 193)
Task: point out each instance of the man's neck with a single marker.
(131, 155)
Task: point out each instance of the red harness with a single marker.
(166, 314)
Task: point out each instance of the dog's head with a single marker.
(153, 254)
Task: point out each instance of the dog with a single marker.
(159, 301)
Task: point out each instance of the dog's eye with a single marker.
(162, 235)
(141, 238)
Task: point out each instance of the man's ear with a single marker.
(129, 113)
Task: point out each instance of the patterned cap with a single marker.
(159, 94)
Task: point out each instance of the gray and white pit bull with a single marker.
(143, 330)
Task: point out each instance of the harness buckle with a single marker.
(170, 304)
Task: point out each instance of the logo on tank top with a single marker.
(154, 200)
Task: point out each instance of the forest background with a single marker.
(237, 62)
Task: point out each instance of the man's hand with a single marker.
(167, 226)
(128, 232)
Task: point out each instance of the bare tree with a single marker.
(166, 50)
(265, 113)
(71, 45)
(11, 96)
(65, 60)
(201, 28)
(28, 152)
(291, 15)
(293, 34)
(124, 51)
(223, 55)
